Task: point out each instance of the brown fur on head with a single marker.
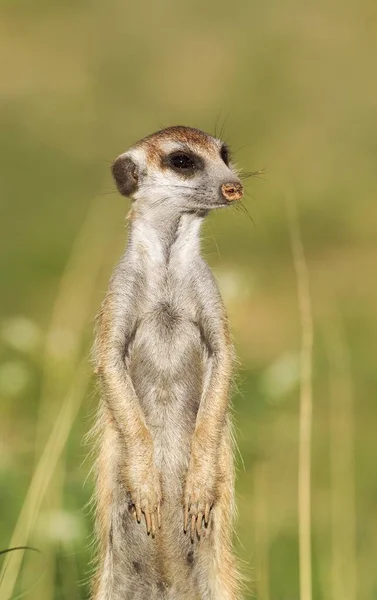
(180, 167)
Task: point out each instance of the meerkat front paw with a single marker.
(145, 499)
(199, 497)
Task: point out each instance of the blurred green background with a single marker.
(293, 86)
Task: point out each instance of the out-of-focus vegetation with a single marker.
(293, 87)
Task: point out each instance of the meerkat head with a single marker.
(180, 168)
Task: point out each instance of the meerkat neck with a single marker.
(166, 237)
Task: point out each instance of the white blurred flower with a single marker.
(60, 526)
(14, 377)
(21, 333)
(282, 376)
(234, 284)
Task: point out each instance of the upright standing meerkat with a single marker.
(163, 353)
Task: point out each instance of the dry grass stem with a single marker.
(305, 423)
(42, 477)
(70, 317)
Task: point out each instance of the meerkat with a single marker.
(163, 353)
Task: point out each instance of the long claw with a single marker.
(199, 523)
(206, 513)
(138, 513)
(158, 515)
(192, 530)
(153, 525)
(185, 521)
(148, 520)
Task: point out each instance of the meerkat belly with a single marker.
(166, 367)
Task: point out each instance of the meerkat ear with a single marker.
(125, 173)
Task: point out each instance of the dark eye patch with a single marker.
(184, 163)
(224, 153)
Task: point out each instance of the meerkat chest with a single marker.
(167, 339)
(170, 310)
(167, 332)
(169, 294)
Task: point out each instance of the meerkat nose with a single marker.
(232, 191)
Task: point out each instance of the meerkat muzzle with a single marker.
(232, 191)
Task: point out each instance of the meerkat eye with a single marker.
(179, 161)
(224, 153)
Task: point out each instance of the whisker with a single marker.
(248, 194)
(234, 152)
(248, 174)
(216, 123)
(160, 124)
(106, 160)
(222, 130)
(108, 193)
(246, 212)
